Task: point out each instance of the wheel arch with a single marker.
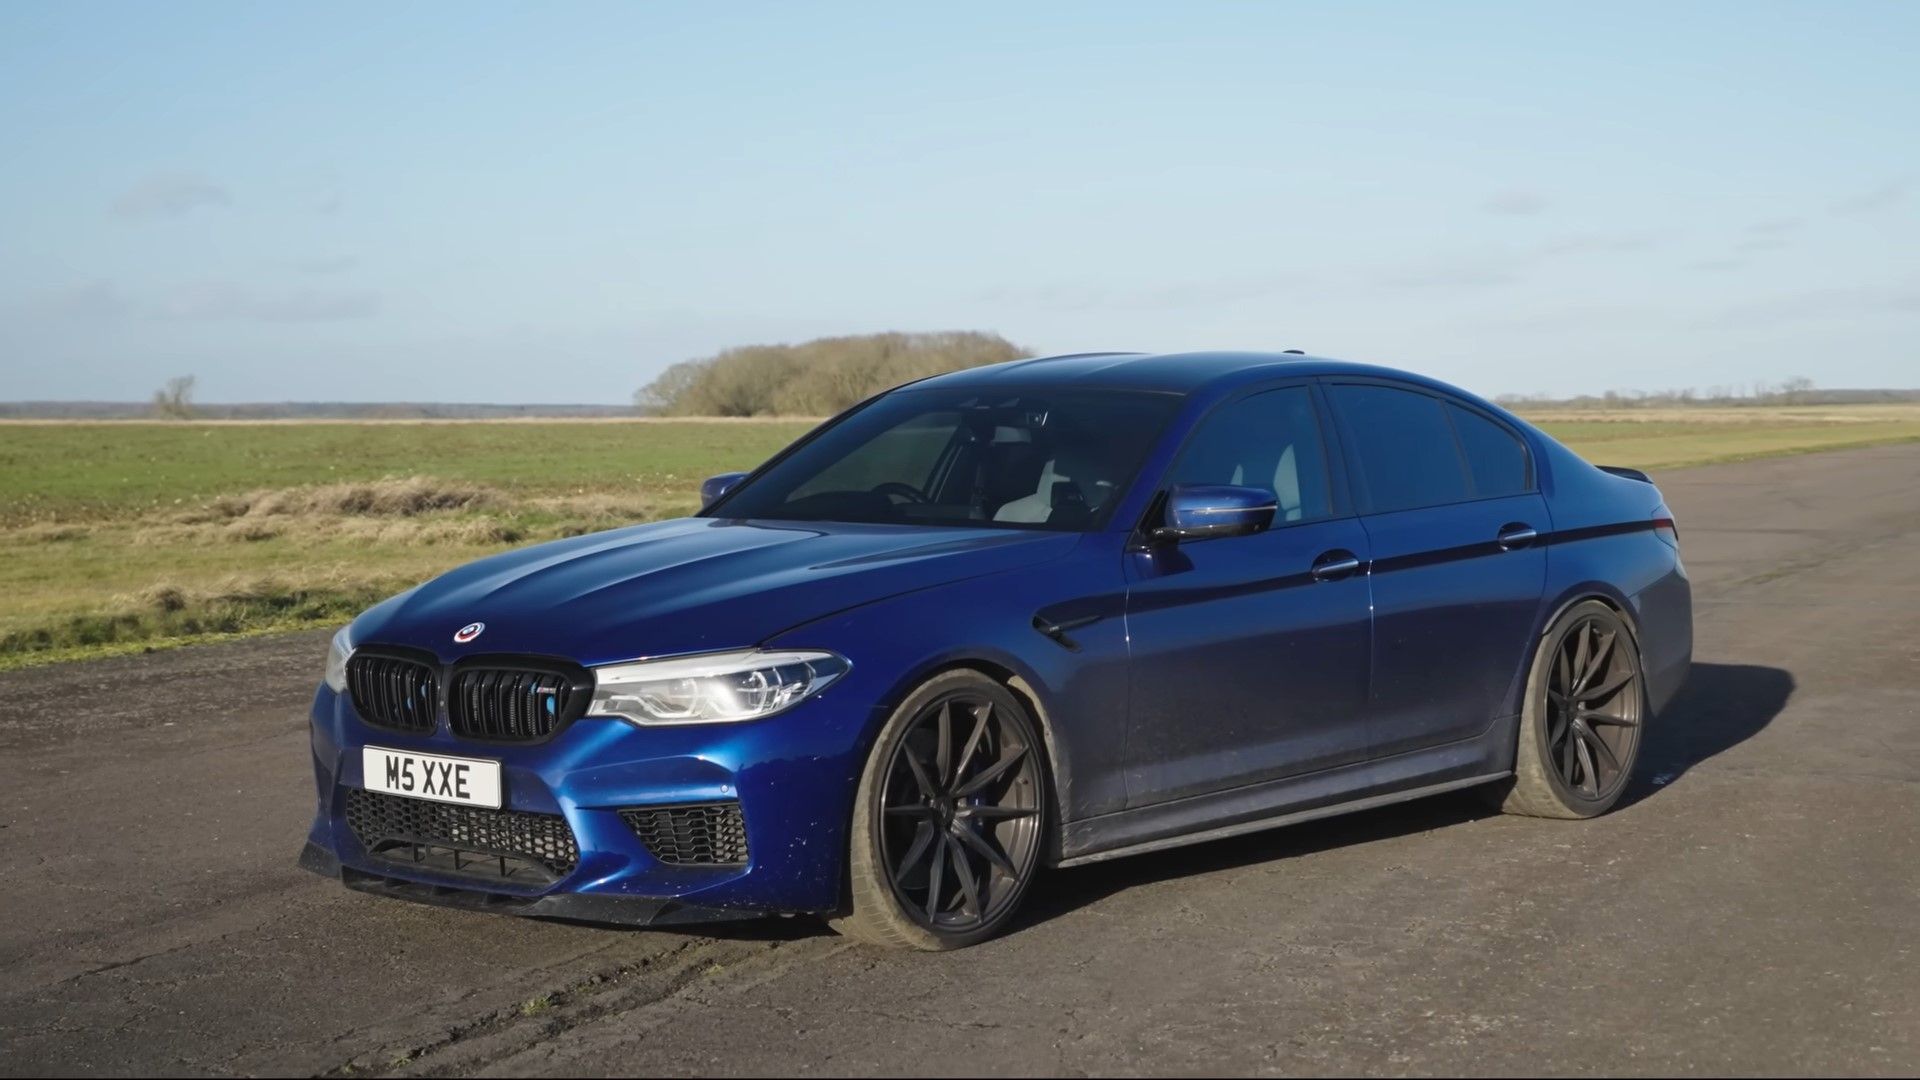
(1579, 594)
(1023, 685)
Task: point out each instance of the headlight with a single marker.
(712, 689)
(337, 654)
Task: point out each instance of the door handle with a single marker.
(1518, 534)
(1335, 564)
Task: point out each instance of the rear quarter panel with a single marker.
(1603, 546)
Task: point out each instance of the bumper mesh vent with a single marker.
(393, 692)
(509, 844)
(712, 835)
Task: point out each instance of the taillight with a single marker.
(1665, 528)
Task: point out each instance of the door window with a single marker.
(1270, 440)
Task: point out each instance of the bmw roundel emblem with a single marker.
(468, 632)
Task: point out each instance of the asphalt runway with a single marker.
(1751, 907)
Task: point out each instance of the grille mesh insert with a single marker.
(464, 839)
(713, 835)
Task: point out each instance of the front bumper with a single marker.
(792, 777)
(579, 907)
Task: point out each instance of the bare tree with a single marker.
(174, 401)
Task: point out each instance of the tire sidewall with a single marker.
(882, 910)
(1534, 718)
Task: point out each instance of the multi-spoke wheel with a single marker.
(1580, 727)
(949, 817)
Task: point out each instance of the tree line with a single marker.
(1799, 390)
(814, 378)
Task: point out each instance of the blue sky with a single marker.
(487, 202)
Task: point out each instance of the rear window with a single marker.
(1496, 458)
(1404, 449)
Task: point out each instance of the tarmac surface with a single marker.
(1750, 908)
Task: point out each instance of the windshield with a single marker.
(1037, 460)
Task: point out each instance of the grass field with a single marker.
(124, 535)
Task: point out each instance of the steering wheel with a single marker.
(905, 491)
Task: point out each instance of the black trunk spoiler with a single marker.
(1631, 474)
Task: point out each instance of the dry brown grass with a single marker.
(408, 496)
(415, 511)
(51, 533)
(169, 612)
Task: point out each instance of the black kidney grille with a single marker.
(470, 840)
(713, 835)
(392, 692)
(514, 704)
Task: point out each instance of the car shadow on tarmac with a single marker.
(1721, 706)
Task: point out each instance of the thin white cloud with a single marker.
(225, 301)
(1849, 302)
(1867, 202)
(170, 195)
(92, 301)
(1515, 203)
(1490, 269)
(1462, 274)
(1597, 243)
(1078, 296)
(326, 264)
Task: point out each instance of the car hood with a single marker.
(692, 585)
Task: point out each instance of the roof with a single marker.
(1177, 372)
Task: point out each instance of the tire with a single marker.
(906, 893)
(1580, 730)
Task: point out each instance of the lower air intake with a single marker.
(530, 849)
(711, 835)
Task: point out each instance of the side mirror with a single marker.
(1211, 511)
(715, 486)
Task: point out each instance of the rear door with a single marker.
(1454, 521)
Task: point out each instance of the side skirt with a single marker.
(1348, 789)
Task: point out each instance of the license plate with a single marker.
(467, 781)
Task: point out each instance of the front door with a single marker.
(1248, 654)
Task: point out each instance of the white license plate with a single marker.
(467, 781)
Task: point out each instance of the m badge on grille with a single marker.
(468, 632)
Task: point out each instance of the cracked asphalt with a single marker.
(1751, 908)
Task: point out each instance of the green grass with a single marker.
(123, 536)
(1657, 444)
(80, 471)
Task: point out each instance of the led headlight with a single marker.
(713, 688)
(337, 655)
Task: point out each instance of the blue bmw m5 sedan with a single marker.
(1036, 614)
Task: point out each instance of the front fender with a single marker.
(1076, 677)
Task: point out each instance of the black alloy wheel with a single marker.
(951, 817)
(960, 813)
(1593, 708)
(1582, 719)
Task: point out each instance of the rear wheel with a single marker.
(948, 820)
(1581, 724)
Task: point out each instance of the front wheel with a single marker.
(1581, 724)
(948, 819)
